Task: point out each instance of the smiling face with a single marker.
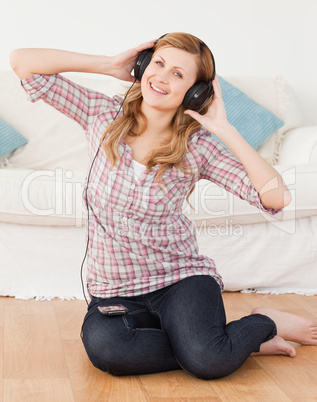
(167, 78)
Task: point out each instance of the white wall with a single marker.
(249, 37)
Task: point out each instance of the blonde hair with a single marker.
(133, 121)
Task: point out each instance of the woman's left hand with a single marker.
(215, 120)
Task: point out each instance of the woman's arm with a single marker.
(26, 62)
(266, 180)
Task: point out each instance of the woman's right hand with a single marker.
(123, 63)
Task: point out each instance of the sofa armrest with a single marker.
(299, 146)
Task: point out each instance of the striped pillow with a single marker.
(254, 122)
(10, 138)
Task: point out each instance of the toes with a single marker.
(289, 350)
(292, 353)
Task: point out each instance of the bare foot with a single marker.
(291, 327)
(276, 346)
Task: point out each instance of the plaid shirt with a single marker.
(139, 238)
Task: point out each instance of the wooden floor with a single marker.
(44, 360)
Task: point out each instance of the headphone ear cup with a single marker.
(142, 62)
(198, 95)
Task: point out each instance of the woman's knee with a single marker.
(106, 356)
(104, 348)
(205, 364)
(216, 368)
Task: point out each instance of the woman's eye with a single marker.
(161, 64)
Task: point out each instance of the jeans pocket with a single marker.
(142, 319)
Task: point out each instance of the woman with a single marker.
(143, 260)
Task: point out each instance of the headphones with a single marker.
(197, 95)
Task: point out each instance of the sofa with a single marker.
(42, 215)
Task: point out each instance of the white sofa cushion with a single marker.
(42, 197)
(54, 197)
(300, 146)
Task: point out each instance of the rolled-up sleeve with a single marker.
(75, 101)
(220, 166)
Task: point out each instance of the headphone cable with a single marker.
(82, 264)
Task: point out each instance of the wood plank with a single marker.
(70, 315)
(284, 302)
(178, 384)
(41, 390)
(249, 383)
(307, 303)
(1, 347)
(91, 384)
(2, 299)
(297, 377)
(32, 344)
(236, 306)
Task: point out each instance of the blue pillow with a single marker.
(10, 138)
(254, 122)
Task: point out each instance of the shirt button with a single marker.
(124, 219)
(133, 186)
(129, 198)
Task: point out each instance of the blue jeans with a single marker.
(182, 326)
